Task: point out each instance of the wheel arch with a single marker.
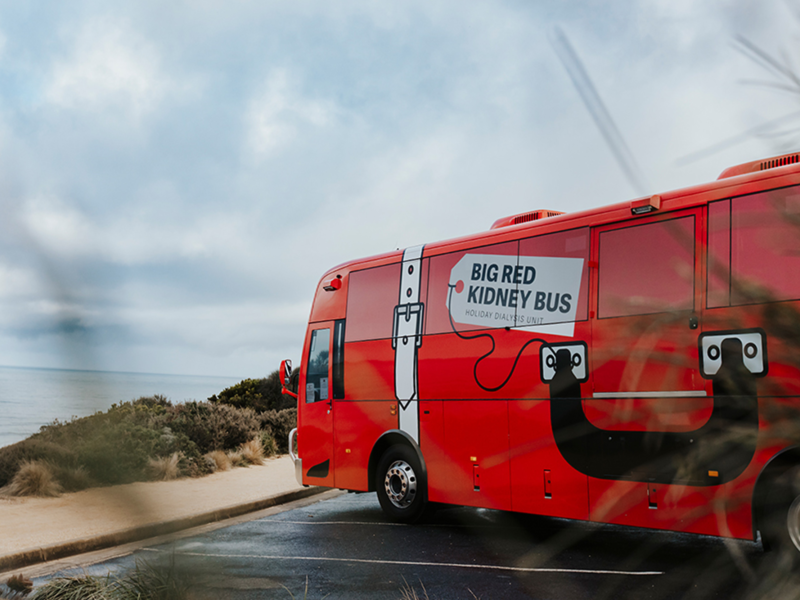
(779, 463)
(390, 438)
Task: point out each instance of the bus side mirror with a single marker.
(285, 373)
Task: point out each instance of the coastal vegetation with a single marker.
(152, 439)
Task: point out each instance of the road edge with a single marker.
(52, 552)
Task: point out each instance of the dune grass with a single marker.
(220, 460)
(34, 478)
(165, 468)
(253, 451)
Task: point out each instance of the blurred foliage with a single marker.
(147, 581)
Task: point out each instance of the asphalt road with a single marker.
(345, 548)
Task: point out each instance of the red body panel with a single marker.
(534, 451)
(358, 426)
(568, 366)
(476, 434)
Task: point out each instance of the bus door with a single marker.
(315, 431)
(649, 399)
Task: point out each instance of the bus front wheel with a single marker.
(781, 531)
(401, 485)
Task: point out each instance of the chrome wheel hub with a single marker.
(401, 484)
(793, 522)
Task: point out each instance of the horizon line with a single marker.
(118, 372)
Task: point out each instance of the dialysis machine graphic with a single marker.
(715, 453)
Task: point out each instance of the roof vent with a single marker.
(525, 218)
(761, 165)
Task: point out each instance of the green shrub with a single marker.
(259, 394)
(271, 388)
(119, 453)
(72, 479)
(268, 443)
(278, 424)
(248, 393)
(213, 426)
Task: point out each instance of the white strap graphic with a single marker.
(406, 339)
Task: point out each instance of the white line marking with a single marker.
(409, 563)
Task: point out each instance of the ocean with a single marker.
(30, 398)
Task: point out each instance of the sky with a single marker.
(176, 177)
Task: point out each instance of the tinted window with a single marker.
(372, 296)
(338, 360)
(647, 268)
(765, 246)
(754, 248)
(472, 303)
(566, 244)
(719, 254)
(317, 375)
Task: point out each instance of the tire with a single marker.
(401, 485)
(781, 517)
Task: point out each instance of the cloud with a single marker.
(18, 282)
(128, 238)
(278, 110)
(108, 66)
(180, 178)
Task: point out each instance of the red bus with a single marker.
(633, 364)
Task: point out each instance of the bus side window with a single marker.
(647, 268)
(317, 376)
(752, 246)
(718, 284)
(338, 360)
(764, 242)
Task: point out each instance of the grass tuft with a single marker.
(153, 582)
(34, 478)
(407, 592)
(305, 592)
(219, 459)
(19, 585)
(83, 587)
(146, 582)
(253, 451)
(236, 458)
(165, 468)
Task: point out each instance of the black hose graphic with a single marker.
(490, 352)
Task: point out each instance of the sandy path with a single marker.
(34, 522)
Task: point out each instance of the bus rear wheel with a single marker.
(781, 532)
(401, 485)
